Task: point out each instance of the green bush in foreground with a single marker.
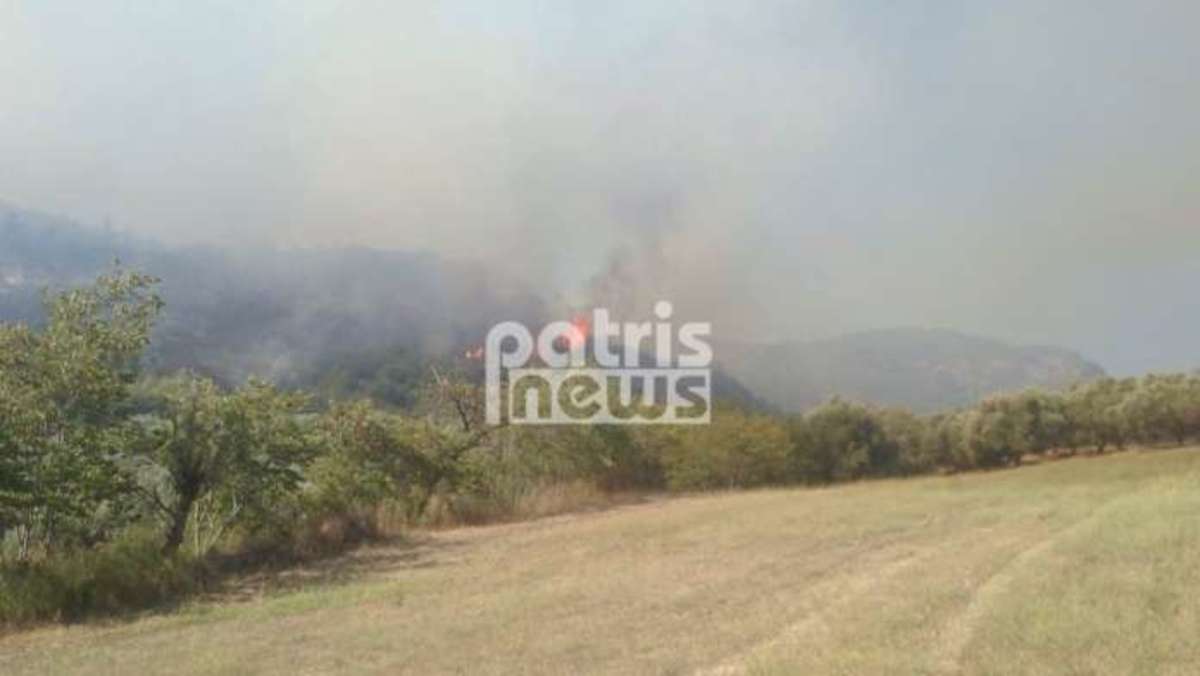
(129, 572)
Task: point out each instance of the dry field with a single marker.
(1084, 566)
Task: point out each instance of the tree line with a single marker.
(132, 478)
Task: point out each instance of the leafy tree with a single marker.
(842, 440)
(217, 458)
(1099, 413)
(909, 433)
(995, 434)
(1045, 420)
(1191, 405)
(374, 455)
(620, 460)
(737, 450)
(944, 442)
(63, 387)
(1162, 408)
(367, 457)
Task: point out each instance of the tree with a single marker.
(1159, 408)
(219, 458)
(944, 441)
(368, 456)
(1099, 412)
(737, 450)
(909, 434)
(1191, 405)
(373, 455)
(997, 433)
(842, 440)
(63, 387)
(1045, 420)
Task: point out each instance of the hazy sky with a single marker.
(1024, 170)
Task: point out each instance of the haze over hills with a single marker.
(923, 369)
(272, 313)
(346, 322)
(358, 321)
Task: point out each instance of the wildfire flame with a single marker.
(581, 328)
(575, 337)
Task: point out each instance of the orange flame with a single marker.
(581, 329)
(577, 335)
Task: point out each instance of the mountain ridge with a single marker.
(371, 316)
(926, 369)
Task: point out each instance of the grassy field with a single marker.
(1084, 566)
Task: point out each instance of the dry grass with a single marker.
(1080, 566)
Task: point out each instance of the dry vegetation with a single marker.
(1086, 565)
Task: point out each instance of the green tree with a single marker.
(842, 440)
(1045, 421)
(1160, 408)
(368, 456)
(1099, 413)
(374, 455)
(217, 458)
(63, 389)
(910, 435)
(737, 450)
(996, 434)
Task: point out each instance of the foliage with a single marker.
(62, 387)
(367, 457)
(129, 572)
(97, 460)
(218, 459)
(371, 455)
(737, 450)
(841, 441)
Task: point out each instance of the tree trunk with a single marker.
(179, 517)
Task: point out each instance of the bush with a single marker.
(737, 450)
(130, 572)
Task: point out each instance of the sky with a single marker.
(1023, 170)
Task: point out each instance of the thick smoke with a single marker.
(784, 169)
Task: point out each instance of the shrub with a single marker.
(737, 450)
(129, 572)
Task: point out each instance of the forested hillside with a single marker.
(293, 316)
(922, 369)
(363, 321)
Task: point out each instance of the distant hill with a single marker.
(365, 321)
(269, 312)
(923, 369)
(346, 322)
